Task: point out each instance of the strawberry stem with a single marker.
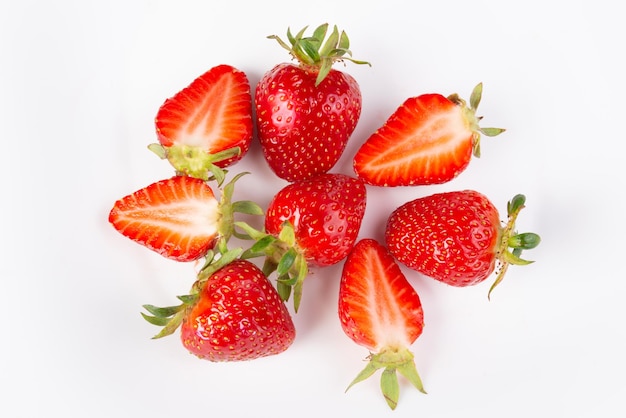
(195, 161)
(473, 120)
(510, 239)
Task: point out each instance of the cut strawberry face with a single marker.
(380, 311)
(208, 122)
(429, 139)
(178, 218)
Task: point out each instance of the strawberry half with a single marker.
(457, 238)
(381, 311)
(208, 124)
(429, 139)
(179, 218)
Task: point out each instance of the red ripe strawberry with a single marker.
(457, 238)
(429, 139)
(208, 123)
(237, 316)
(381, 311)
(310, 222)
(179, 218)
(306, 112)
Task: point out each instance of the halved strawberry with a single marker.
(429, 139)
(380, 310)
(208, 123)
(179, 218)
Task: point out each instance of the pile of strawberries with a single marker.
(304, 114)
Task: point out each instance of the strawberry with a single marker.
(313, 222)
(238, 316)
(457, 238)
(233, 313)
(306, 112)
(429, 139)
(381, 311)
(179, 218)
(207, 125)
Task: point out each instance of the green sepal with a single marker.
(250, 231)
(286, 262)
(164, 312)
(259, 247)
(316, 54)
(247, 207)
(476, 96)
(368, 371)
(491, 131)
(284, 289)
(391, 361)
(390, 387)
(155, 320)
(301, 274)
(287, 234)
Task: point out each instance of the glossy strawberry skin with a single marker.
(378, 307)
(326, 212)
(178, 217)
(214, 113)
(303, 129)
(451, 236)
(238, 316)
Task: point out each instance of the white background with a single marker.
(80, 83)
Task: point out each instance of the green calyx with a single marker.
(228, 209)
(315, 54)
(473, 120)
(195, 161)
(282, 256)
(511, 244)
(391, 361)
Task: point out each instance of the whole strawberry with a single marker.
(306, 112)
(238, 316)
(312, 222)
(429, 139)
(232, 314)
(457, 237)
(381, 311)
